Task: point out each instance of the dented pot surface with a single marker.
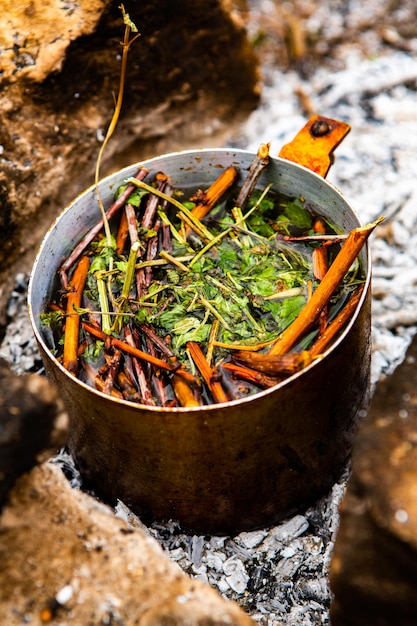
(228, 467)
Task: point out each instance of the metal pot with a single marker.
(228, 467)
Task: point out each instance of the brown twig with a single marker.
(158, 341)
(206, 200)
(258, 165)
(152, 252)
(122, 233)
(274, 365)
(93, 378)
(125, 347)
(156, 381)
(128, 388)
(72, 323)
(250, 375)
(132, 226)
(320, 260)
(144, 356)
(153, 201)
(215, 387)
(113, 364)
(336, 325)
(183, 392)
(146, 393)
(323, 293)
(320, 266)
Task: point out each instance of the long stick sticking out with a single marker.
(321, 296)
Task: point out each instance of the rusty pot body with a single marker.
(228, 467)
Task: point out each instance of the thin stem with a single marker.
(214, 331)
(127, 42)
(104, 304)
(215, 312)
(130, 270)
(174, 260)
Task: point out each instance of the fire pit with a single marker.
(274, 452)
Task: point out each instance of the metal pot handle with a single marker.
(313, 146)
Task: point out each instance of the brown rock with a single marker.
(32, 45)
(374, 568)
(192, 76)
(66, 559)
(32, 422)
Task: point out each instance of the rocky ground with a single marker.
(357, 62)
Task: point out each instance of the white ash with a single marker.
(19, 347)
(279, 574)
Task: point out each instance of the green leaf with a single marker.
(262, 287)
(121, 266)
(290, 309)
(260, 226)
(93, 351)
(135, 197)
(98, 264)
(52, 320)
(267, 204)
(168, 319)
(298, 215)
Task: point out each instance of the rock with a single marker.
(191, 77)
(32, 422)
(374, 568)
(67, 559)
(31, 47)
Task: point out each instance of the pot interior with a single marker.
(188, 171)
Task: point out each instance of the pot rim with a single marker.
(210, 407)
